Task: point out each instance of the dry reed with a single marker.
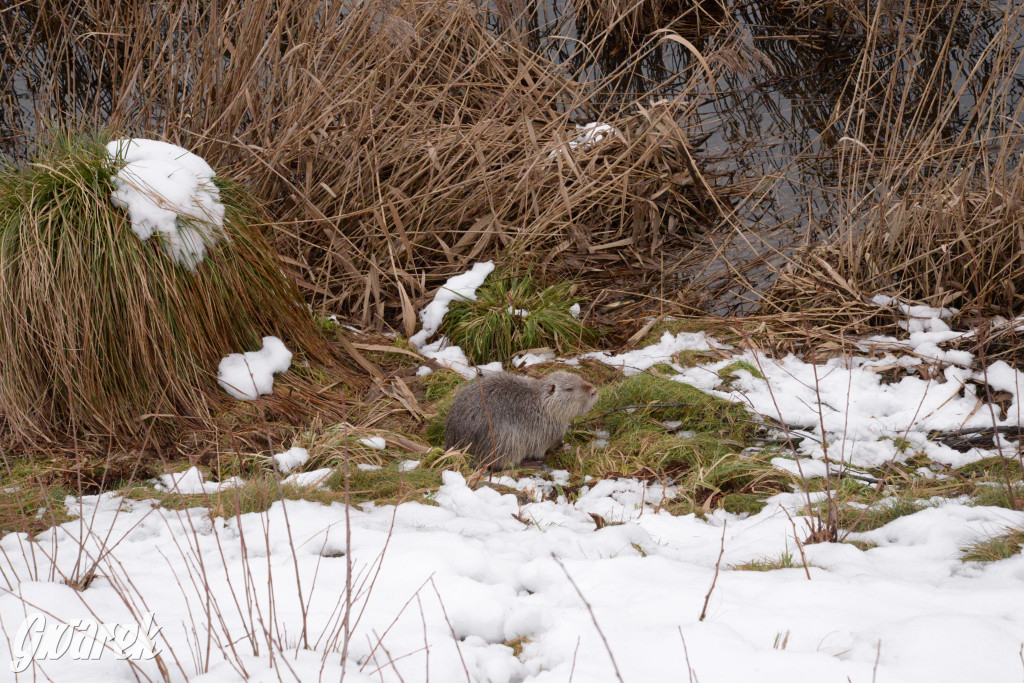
(926, 203)
(395, 141)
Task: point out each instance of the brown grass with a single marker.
(396, 141)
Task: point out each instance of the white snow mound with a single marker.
(458, 288)
(291, 458)
(251, 374)
(169, 191)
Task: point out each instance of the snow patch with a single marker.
(191, 482)
(291, 458)
(251, 374)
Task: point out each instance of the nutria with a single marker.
(504, 419)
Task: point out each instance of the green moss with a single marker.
(30, 504)
(862, 545)
(659, 399)
(996, 494)
(441, 384)
(388, 484)
(877, 515)
(743, 503)
(993, 469)
(767, 564)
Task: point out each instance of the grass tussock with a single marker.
(512, 314)
(101, 333)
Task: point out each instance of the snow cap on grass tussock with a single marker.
(251, 374)
(168, 190)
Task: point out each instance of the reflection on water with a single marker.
(792, 84)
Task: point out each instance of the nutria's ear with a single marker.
(551, 389)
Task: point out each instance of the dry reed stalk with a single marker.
(617, 24)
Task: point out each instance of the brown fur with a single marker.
(504, 419)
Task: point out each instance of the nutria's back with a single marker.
(503, 419)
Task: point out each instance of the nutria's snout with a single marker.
(590, 389)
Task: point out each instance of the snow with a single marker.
(449, 356)
(376, 442)
(466, 561)
(458, 288)
(169, 191)
(251, 374)
(589, 134)
(308, 479)
(639, 360)
(528, 359)
(443, 583)
(845, 403)
(490, 368)
(191, 482)
(291, 458)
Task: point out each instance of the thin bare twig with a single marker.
(718, 564)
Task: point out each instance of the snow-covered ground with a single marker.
(474, 586)
(488, 570)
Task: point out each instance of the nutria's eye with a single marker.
(569, 390)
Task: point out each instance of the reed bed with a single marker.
(925, 203)
(396, 142)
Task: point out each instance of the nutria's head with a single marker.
(566, 396)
